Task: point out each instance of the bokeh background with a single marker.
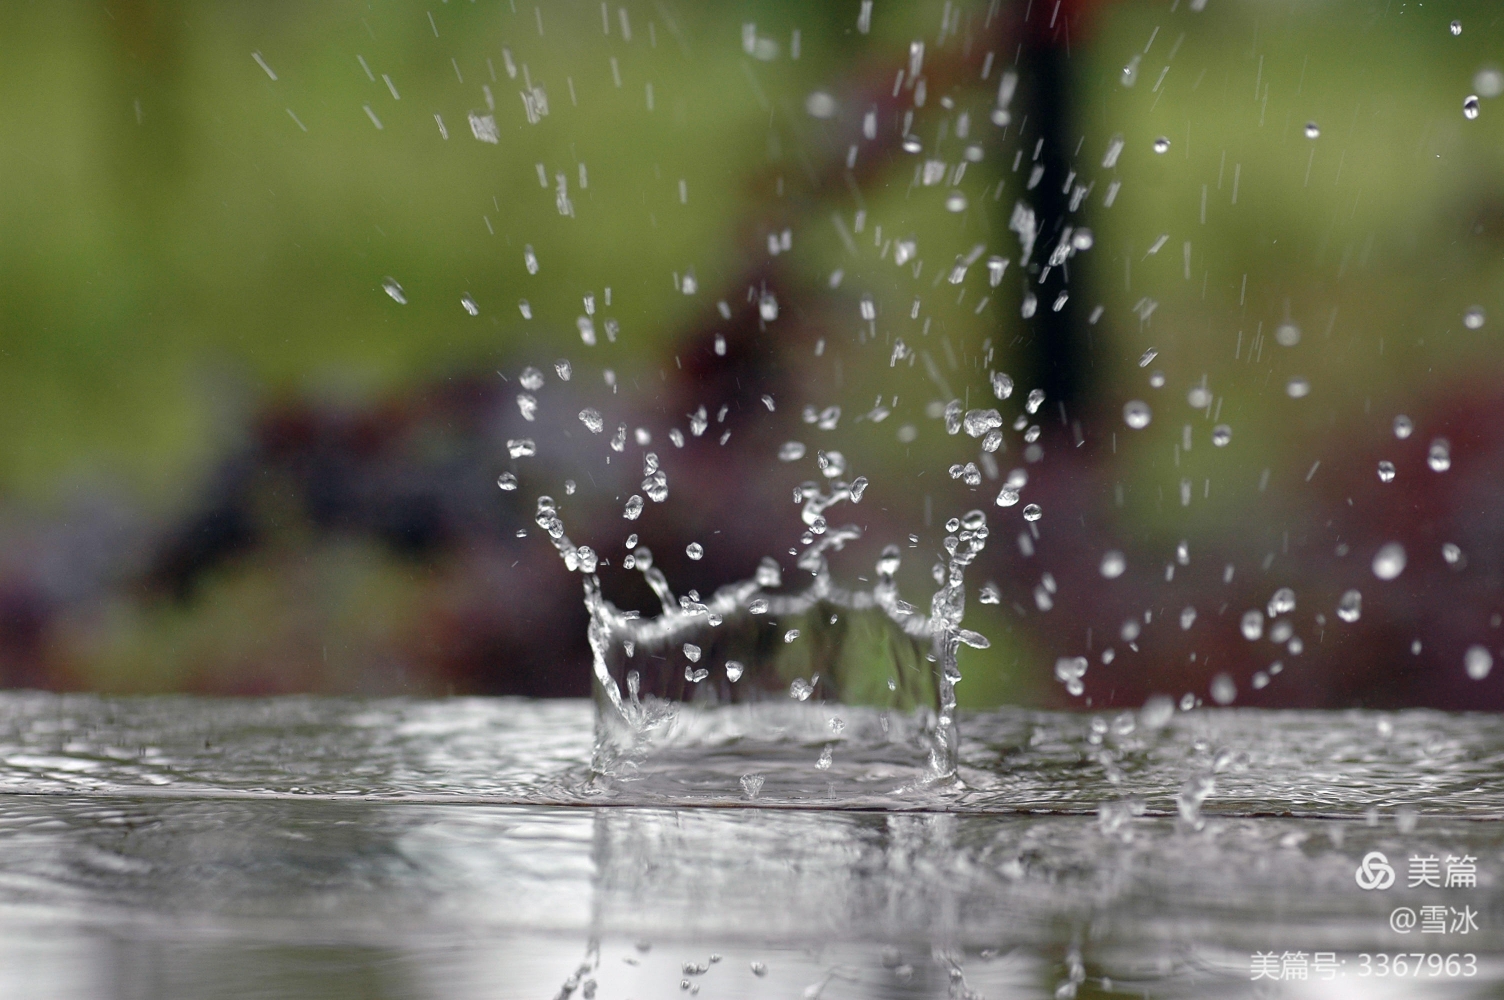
(232, 462)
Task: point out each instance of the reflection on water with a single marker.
(177, 848)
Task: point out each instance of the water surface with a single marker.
(325, 847)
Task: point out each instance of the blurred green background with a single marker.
(232, 462)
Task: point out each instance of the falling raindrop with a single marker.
(1456, 27)
(1199, 397)
(633, 510)
(525, 309)
(1282, 603)
(507, 481)
(469, 305)
(530, 259)
(1007, 497)
(1032, 512)
(1113, 564)
(1312, 130)
(791, 451)
(1403, 426)
(695, 551)
(1478, 662)
(1162, 145)
(1147, 358)
(394, 290)
(521, 447)
(1221, 435)
(1452, 553)
(1156, 380)
(1470, 107)
(1136, 414)
(1252, 624)
(1035, 400)
(1287, 334)
(1389, 561)
(790, 636)
(1187, 618)
(1474, 318)
(1439, 457)
(1224, 691)
(1002, 385)
(1386, 471)
(1298, 387)
(1350, 606)
(563, 369)
(734, 670)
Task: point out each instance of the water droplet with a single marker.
(791, 451)
(1452, 553)
(1187, 617)
(979, 422)
(1162, 145)
(1224, 691)
(1252, 624)
(734, 670)
(692, 652)
(1083, 239)
(1199, 397)
(790, 636)
(1389, 561)
(1287, 334)
(1474, 318)
(1478, 662)
(1281, 603)
(990, 594)
(530, 259)
(1403, 426)
(1035, 400)
(1470, 107)
(955, 202)
(1386, 472)
(826, 754)
(1156, 380)
(768, 574)
(1136, 414)
(1148, 357)
(521, 447)
(507, 481)
(758, 606)
(1350, 606)
(1032, 512)
(767, 307)
(1298, 387)
(591, 418)
(1456, 27)
(820, 105)
(751, 785)
(695, 551)
(1002, 385)
(1113, 564)
(394, 290)
(1439, 457)
(1007, 497)
(633, 510)
(1489, 82)
(801, 689)
(1221, 435)
(531, 379)
(525, 309)
(527, 404)
(469, 305)
(1312, 130)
